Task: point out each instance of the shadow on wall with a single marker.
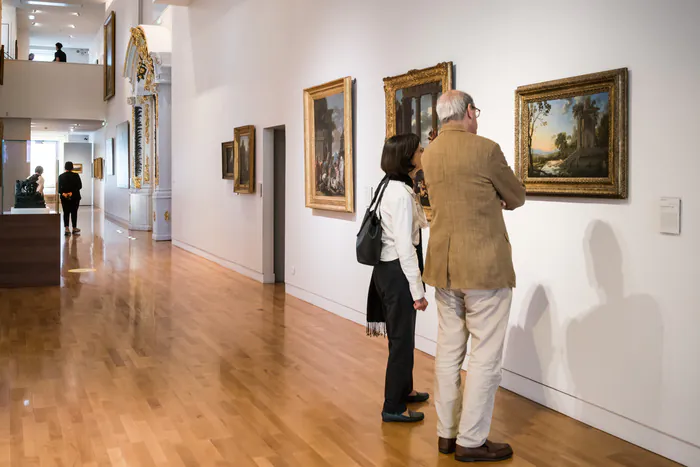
(529, 347)
(614, 349)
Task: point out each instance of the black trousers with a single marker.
(70, 212)
(400, 315)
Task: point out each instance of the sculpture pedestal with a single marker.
(162, 202)
(140, 210)
(30, 211)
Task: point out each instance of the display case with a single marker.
(24, 190)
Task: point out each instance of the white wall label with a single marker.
(670, 216)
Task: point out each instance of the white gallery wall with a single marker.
(605, 316)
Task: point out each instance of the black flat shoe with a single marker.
(412, 417)
(419, 397)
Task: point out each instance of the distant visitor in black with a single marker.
(60, 55)
(69, 186)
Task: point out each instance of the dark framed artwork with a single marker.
(97, 168)
(121, 153)
(244, 159)
(411, 107)
(571, 136)
(328, 137)
(228, 164)
(110, 71)
(109, 156)
(2, 65)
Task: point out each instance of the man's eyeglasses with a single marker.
(477, 112)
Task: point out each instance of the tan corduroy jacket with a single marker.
(467, 177)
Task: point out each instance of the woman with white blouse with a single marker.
(396, 289)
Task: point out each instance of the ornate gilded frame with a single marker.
(313, 200)
(110, 40)
(244, 186)
(224, 174)
(441, 72)
(613, 186)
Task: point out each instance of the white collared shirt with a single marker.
(402, 219)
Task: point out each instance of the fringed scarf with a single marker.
(376, 317)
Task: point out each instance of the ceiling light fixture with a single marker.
(75, 13)
(36, 24)
(71, 36)
(72, 26)
(32, 17)
(37, 11)
(42, 3)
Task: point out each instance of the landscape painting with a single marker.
(571, 136)
(328, 137)
(244, 160)
(411, 107)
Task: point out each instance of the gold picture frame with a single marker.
(244, 159)
(592, 161)
(328, 146)
(77, 168)
(110, 70)
(98, 168)
(228, 161)
(412, 92)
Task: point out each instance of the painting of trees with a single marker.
(538, 111)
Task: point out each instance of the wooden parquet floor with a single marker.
(161, 358)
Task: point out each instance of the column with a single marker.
(162, 196)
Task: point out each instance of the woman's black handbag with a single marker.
(369, 239)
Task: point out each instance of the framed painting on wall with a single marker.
(328, 145)
(109, 156)
(411, 107)
(227, 161)
(110, 71)
(97, 167)
(121, 153)
(77, 168)
(244, 159)
(2, 65)
(571, 136)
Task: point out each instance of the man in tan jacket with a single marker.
(469, 263)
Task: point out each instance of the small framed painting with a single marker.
(328, 138)
(227, 161)
(411, 107)
(110, 70)
(78, 168)
(97, 168)
(571, 136)
(244, 159)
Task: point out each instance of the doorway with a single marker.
(280, 165)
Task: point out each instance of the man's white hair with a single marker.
(453, 105)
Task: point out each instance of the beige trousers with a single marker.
(483, 314)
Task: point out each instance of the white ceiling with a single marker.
(54, 23)
(65, 126)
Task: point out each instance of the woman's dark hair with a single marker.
(39, 170)
(69, 165)
(398, 154)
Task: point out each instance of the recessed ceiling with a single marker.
(65, 126)
(81, 19)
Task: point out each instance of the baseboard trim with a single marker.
(161, 238)
(624, 428)
(258, 276)
(117, 220)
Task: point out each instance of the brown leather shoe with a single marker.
(489, 452)
(447, 445)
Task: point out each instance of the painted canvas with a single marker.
(110, 70)
(328, 138)
(78, 168)
(228, 171)
(411, 107)
(244, 160)
(572, 136)
(109, 157)
(122, 155)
